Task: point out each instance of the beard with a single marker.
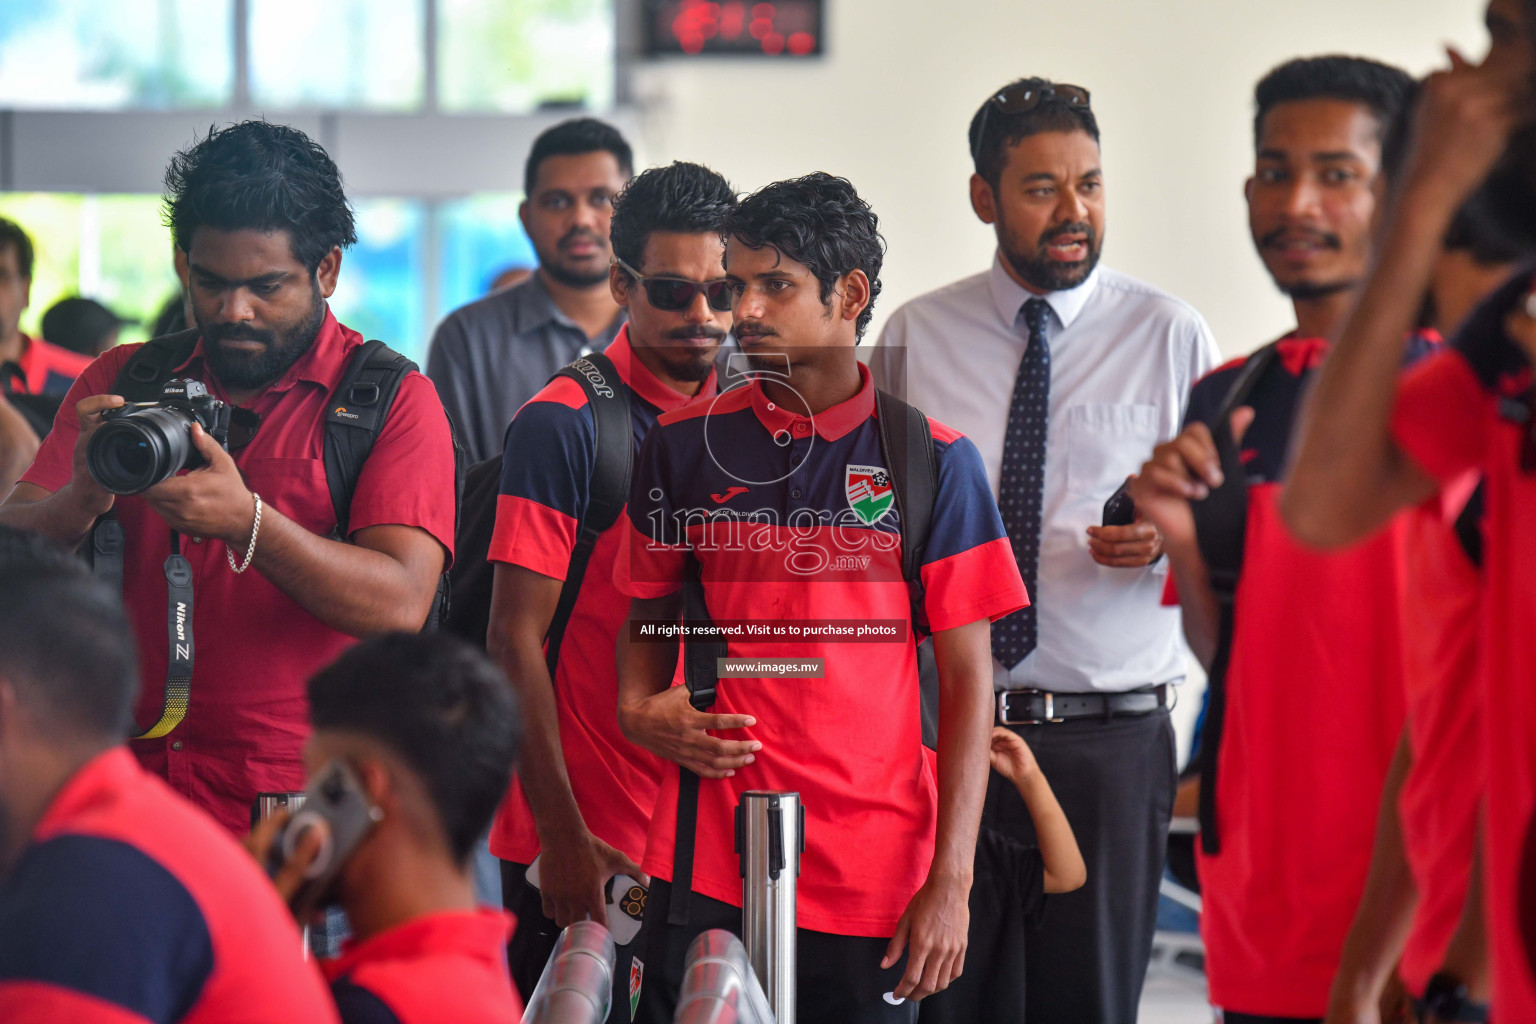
(242, 371)
(1038, 269)
(691, 364)
(550, 262)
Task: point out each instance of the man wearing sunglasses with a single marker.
(1062, 371)
(584, 794)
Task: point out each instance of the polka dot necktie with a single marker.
(1021, 489)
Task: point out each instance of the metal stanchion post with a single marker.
(770, 836)
(719, 986)
(577, 984)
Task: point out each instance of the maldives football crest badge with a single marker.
(869, 493)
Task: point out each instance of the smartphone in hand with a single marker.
(1120, 510)
(337, 806)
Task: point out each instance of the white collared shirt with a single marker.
(1124, 356)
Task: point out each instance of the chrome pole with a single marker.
(770, 836)
(577, 984)
(719, 986)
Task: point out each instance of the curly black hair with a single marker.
(572, 138)
(14, 236)
(990, 153)
(439, 704)
(682, 197)
(820, 222)
(1380, 87)
(260, 176)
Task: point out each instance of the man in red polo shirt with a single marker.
(782, 493)
(1314, 687)
(260, 220)
(1375, 444)
(119, 902)
(584, 794)
(45, 369)
(429, 730)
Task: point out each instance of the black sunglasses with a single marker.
(675, 294)
(1022, 97)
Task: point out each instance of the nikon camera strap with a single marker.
(140, 379)
(1221, 521)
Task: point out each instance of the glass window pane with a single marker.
(339, 53)
(518, 57)
(128, 53)
(110, 248)
(379, 293)
(481, 238)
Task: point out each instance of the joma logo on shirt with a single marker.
(595, 376)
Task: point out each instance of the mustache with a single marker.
(583, 234)
(754, 330)
(238, 332)
(1327, 238)
(696, 331)
(1081, 228)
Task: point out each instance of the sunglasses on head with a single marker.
(1022, 97)
(675, 294)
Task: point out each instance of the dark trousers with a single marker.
(1115, 779)
(838, 976)
(534, 938)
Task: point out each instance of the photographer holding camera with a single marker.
(259, 218)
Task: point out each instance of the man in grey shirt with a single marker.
(491, 356)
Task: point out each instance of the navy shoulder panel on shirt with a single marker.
(357, 1005)
(100, 917)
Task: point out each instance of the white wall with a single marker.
(1172, 84)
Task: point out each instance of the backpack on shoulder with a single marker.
(357, 411)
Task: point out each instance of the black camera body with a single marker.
(143, 443)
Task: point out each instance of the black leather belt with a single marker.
(1039, 707)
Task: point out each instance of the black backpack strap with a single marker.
(701, 673)
(143, 375)
(355, 418)
(607, 491)
(906, 442)
(1221, 521)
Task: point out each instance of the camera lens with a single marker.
(138, 449)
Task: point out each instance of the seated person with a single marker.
(429, 729)
(120, 902)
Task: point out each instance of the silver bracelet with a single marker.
(251, 550)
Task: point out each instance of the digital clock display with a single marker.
(785, 28)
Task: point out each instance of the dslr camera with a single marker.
(143, 443)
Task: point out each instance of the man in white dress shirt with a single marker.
(1063, 372)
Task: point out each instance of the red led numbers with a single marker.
(740, 27)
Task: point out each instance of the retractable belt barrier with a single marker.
(577, 984)
(719, 986)
(770, 837)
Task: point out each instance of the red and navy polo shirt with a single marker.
(791, 518)
(1439, 800)
(1470, 408)
(1314, 712)
(49, 369)
(546, 470)
(131, 906)
(444, 968)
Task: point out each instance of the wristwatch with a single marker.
(1446, 999)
